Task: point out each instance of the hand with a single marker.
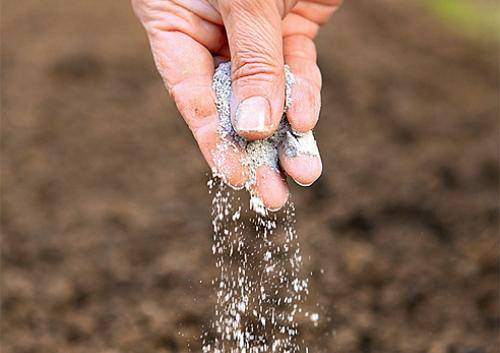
(188, 37)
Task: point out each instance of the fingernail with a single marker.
(253, 115)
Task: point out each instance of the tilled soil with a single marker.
(106, 236)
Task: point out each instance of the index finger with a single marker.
(187, 68)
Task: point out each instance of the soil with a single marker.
(106, 235)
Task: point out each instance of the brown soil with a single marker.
(105, 216)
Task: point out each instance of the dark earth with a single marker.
(106, 234)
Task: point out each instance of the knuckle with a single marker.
(254, 69)
(144, 9)
(254, 62)
(306, 51)
(163, 13)
(193, 102)
(306, 72)
(251, 9)
(245, 4)
(237, 7)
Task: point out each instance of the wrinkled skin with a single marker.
(189, 37)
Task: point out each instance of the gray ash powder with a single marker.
(260, 286)
(261, 152)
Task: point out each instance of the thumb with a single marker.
(254, 34)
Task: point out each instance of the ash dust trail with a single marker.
(259, 288)
(260, 285)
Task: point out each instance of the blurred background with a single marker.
(106, 234)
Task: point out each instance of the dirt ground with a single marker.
(106, 235)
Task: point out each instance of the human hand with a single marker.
(189, 37)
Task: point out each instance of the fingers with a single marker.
(316, 11)
(271, 188)
(187, 67)
(300, 55)
(198, 21)
(304, 169)
(226, 162)
(303, 113)
(182, 48)
(255, 40)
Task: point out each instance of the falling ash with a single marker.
(260, 286)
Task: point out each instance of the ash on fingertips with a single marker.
(261, 286)
(259, 152)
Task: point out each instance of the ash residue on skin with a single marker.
(300, 143)
(260, 152)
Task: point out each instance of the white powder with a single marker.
(260, 284)
(314, 318)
